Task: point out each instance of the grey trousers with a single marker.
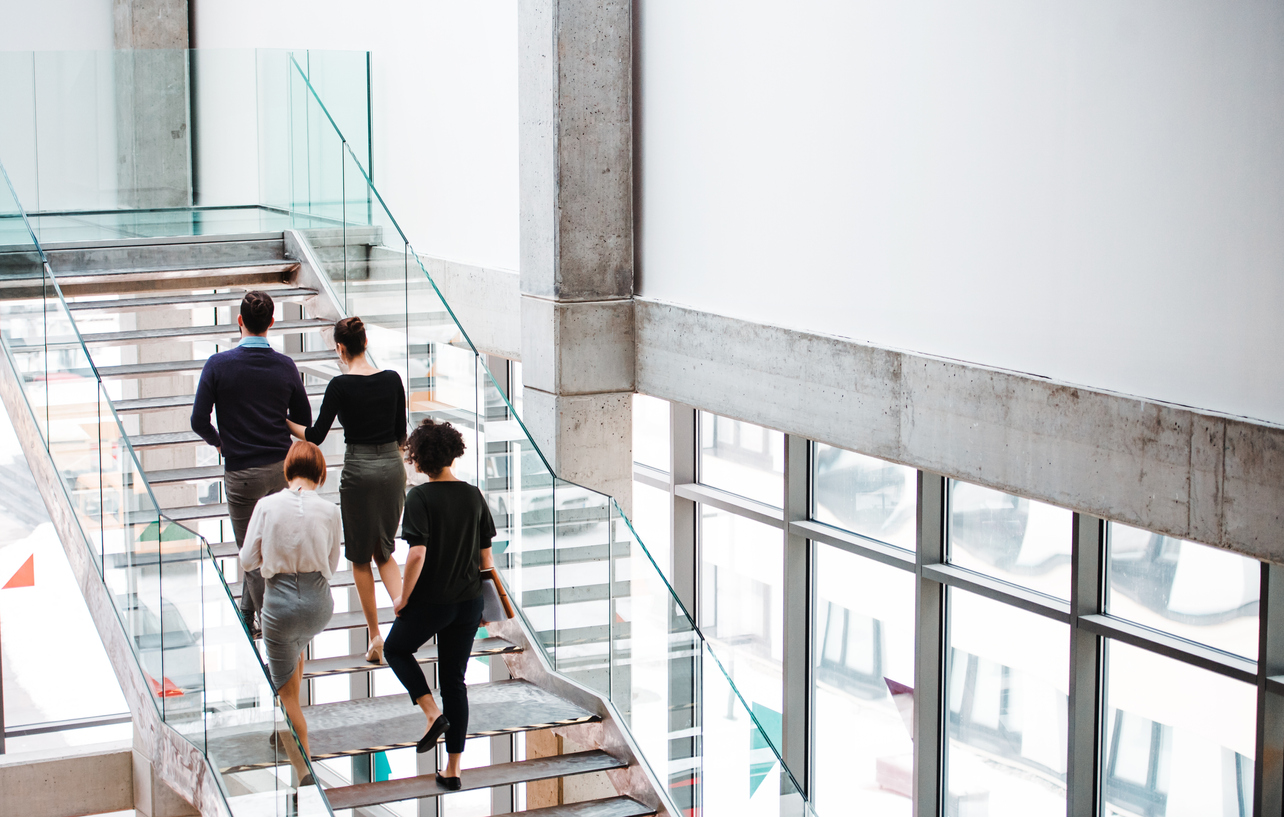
(243, 490)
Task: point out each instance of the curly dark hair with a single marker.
(433, 446)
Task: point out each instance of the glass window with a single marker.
(742, 458)
(863, 685)
(1008, 679)
(741, 603)
(1011, 538)
(650, 519)
(1179, 740)
(651, 431)
(1202, 593)
(864, 495)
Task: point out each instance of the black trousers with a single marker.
(455, 625)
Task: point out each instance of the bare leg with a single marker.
(289, 694)
(390, 572)
(452, 765)
(430, 708)
(363, 578)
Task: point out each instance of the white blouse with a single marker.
(293, 532)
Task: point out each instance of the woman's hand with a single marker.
(399, 604)
(296, 430)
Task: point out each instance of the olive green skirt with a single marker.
(372, 494)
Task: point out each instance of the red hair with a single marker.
(305, 460)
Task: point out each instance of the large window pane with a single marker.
(1011, 538)
(1197, 592)
(741, 605)
(1007, 694)
(864, 495)
(864, 685)
(742, 458)
(1179, 740)
(651, 431)
(651, 510)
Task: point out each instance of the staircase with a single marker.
(149, 315)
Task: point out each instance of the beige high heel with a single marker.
(374, 655)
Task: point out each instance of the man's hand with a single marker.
(399, 604)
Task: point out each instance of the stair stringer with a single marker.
(610, 734)
(174, 760)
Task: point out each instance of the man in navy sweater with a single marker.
(254, 389)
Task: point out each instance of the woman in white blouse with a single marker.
(294, 539)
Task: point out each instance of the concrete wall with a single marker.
(1087, 191)
(445, 106)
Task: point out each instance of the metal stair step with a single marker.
(178, 366)
(183, 401)
(202, 472)
(575, 595)
(176, 274)
(181, 333)
(606, 807)
(196, 300)
(183, 513)
(500, 774)
(366, 725)
(348, 664)
(164, 438)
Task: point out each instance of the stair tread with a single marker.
(213, 510)
(164, 438)
(180, 271)
(175, 366)
(201, 472)
(606, 807)
(182, 400)
(500, 774)
(200, 299)
(347, 664)
(215, 330)
(392, 721)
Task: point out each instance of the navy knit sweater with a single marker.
(254, 390)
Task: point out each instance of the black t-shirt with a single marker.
(372, 408)
(453, 522)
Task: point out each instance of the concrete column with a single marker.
(575, 102)
(153, 134)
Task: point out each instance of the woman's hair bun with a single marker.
(351, 332)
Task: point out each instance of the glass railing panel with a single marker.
(581, 591)
(182, 566)
(341, 80)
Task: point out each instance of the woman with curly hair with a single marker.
(449, 529)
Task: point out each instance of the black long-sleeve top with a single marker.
(372, 409)
(253, 390)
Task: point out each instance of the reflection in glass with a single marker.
(742, 458)
(864, 495)
(864, 685)
(741, 604)
(651, 520)
(1007, 694)
(651, 431)
(1011, 538)
(1202, 593)
(1179, 740)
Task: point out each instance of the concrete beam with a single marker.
(578, 347)
(1194, 475)
(68, 782)
(486, 301)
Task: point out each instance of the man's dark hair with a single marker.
(256, 312)
(433, 446)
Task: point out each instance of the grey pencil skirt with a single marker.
(296, 606)
(372, 494)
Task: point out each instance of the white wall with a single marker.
(55, 25)
(1088, 190)
(445, 105)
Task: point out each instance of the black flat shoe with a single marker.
(449, 783)
(429, 740)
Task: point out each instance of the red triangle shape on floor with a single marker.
(25, 577)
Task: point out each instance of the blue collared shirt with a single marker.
(255, 342)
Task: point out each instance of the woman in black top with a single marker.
(371, 405)
(449, 529)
